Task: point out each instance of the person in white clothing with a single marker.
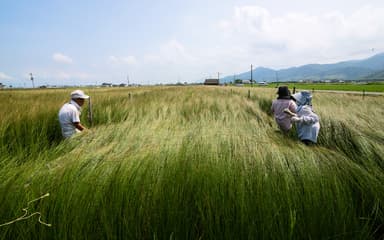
(69, 114)
(307, 125)
(307, 122)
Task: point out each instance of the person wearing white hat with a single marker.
(69, 114)
(302, 98)
(307, 122)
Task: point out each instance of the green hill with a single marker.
(347, 70)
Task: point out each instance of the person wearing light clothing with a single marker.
(69, 114)
(307, 122)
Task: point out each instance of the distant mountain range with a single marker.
(369, 68)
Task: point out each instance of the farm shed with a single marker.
(211, 81)
(106, 84)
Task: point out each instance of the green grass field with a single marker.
(189, 163)
(355, 87)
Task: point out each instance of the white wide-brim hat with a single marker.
(303, 98)
(78, 94)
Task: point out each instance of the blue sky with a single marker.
(89, 42)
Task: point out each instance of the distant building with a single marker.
(106, 84)
(211, 81)
(1, 86)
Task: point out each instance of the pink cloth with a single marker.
(283, 119)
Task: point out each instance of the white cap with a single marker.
(78, 94)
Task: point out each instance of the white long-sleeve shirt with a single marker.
(307, 124)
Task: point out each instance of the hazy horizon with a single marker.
(90, 42)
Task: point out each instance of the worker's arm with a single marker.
(289, 112)
(311, 119)
(79, 126)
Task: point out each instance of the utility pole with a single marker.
(33, 83)
(127, 80)
(251, 75)
(218, 77)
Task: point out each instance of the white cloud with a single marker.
(61, 58)
(61, 75)
(128, 60)
(299, 38)
(250, 18)
(55, 74)
(4, 76)
(152, 58)
(171, 52)
(172, 61)
(47, 74)
(175, 52)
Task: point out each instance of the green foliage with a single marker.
(357, 87)
(191, 163)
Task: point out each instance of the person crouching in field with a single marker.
(283, 101)
(307, 122)
(69, 114)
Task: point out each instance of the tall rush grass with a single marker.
(191, 163)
